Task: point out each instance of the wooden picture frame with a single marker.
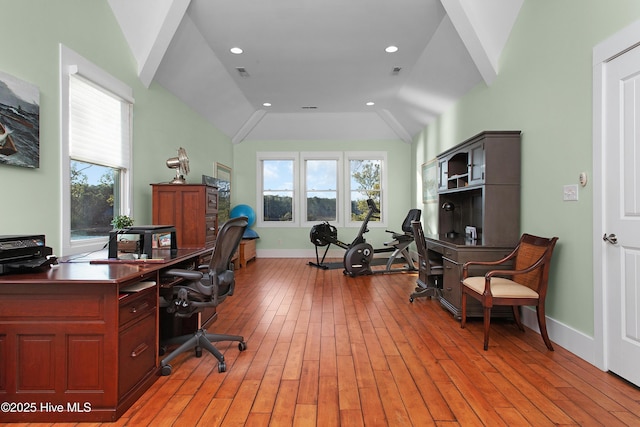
(429, 182)
(223, 178)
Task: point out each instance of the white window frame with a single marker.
(73, 63)
(343, 190)
(260, 156)
(321, 155)
(365, 155)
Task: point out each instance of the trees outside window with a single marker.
(330, 186)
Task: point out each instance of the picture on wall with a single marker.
(429, 182)
(19, 122)
(223, 176)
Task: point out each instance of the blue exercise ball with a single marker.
(244, 210)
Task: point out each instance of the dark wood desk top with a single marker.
(95, 269)
(459, 241)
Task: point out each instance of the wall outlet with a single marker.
(570, 193)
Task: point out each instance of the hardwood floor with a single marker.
(328, 350)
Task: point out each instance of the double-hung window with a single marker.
(278, 183)
(321, 186)
(96, 152)
(366, 181)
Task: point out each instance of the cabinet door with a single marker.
(476, 164)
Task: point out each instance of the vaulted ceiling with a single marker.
(317, 62)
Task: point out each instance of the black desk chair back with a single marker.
(430, 270)
(206, 287)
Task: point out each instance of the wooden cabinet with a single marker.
(246, 251)
(480, 179)
(191, 208)
(137, 338)
(479, 183)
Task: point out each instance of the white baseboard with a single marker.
(565, 336)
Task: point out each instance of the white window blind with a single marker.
(99, 125)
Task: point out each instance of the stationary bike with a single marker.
(359, 254)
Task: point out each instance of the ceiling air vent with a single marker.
(242, 72)
(309, 108)
(396, 71)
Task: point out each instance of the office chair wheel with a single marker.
(222, 367)
(242, 346)
(162, 350)
(166, 370)
(410, 299)
(198, 352)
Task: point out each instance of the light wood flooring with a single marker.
(325, 349)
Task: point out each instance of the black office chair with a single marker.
(430, 269)
(206, 287)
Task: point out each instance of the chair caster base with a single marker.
(166, 370)
(222, 367)
(242, 346)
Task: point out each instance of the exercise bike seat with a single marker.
(407, 231)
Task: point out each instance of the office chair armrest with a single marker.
(191, 275)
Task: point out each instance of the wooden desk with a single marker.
(454, 253)
(73, 347)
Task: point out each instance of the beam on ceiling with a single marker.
(484, 29)
(391, 121)
(149, 26)
(248, 126)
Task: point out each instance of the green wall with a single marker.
(33, 30)
(544, 89)
(399, 189)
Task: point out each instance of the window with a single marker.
(329, 187)
(278, 191)
(321, 186)
(96, 152)
(365, 182)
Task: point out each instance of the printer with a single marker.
(24, 253)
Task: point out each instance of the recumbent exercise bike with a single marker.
(359, 254)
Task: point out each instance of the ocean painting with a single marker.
(19, 122)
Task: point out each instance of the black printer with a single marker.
(23, 253)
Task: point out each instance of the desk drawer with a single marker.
(137, 353)
(445, 251)
(136, 305)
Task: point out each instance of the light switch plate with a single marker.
(570, 193)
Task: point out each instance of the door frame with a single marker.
(614, 46)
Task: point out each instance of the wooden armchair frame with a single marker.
(525, 284)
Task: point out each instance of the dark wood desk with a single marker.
(73, 346)
(454, 253)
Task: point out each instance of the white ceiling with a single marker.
(317, 61)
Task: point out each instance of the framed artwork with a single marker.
(223, 178)
(19, 122)
(429, 182)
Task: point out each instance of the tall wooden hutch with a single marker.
(478, 186)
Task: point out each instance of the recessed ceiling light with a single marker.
(370, 103)
(266, 104)
(391, 49)
(235, 50)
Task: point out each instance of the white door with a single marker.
(621, 214)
